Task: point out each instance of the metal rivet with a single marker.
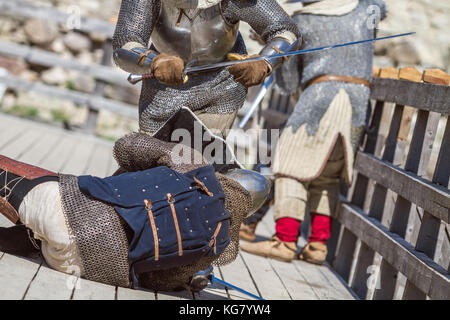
(159, 240)
(203, 207)
(191, 231)
(157, 229)
(200, 198)
(118, 196)
(207, 221)
(143, 190)
(178, 179)
(190, 188)
(185, 209)
(188, 219)
(209, 229)
(156, 187)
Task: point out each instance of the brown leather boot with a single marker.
(273, 248)
(247, 232)
(314, 252)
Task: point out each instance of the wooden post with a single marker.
(400, 217)
(377, 206)
(91, 123)
(3, 73)
(344, 258)
(429, 228)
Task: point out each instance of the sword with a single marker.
(262, 92)
(135, 78)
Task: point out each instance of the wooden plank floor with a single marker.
(75, 153)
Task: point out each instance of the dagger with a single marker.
(135, 78)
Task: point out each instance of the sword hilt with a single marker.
(136, 78)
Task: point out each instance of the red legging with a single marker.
(288, 229)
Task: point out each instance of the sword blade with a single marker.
(261, 94)
(133, 79)
(293, 53)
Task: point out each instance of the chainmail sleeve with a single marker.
(140, 151)
(135, 24)
(266, 17)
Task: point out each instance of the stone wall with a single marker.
(430, 48)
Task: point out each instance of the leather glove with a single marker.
(168, 69)
(249, 73)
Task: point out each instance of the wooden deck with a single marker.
(62, 151)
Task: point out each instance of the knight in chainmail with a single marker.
(93, 227)
(318, 144)
(196, 33)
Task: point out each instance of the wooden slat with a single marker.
(78, 162)
(411, 74)
(214, 291)
(322, 282)
(99, 162)
(26, 10)
(378, 207)
(401, 214)
(15, 276)
(436, 76)
(80, 98)
(431, 197)
(12, 135)
(184, 295)
(417, 267)
(88, 290)
(49, 59)
(21, 144)
(237, 274)
(424, 96)
(289, 275)
(269, 284)
(38, 151)
(304, 281)
(429, 229)
(345, 253)
(50, 285)
(389, 73)
(56, 159)
(129, 294)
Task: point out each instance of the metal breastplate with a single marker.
(201, 34)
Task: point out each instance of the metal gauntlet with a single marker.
(136, 60)
(279, 45)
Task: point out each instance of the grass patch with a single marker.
(109, 138)
(58, 115)
(28, 112)
(70, 85)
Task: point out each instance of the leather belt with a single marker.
(331, 77)
(8, 211)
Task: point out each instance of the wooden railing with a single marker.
(391, 236)
(103, 73)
